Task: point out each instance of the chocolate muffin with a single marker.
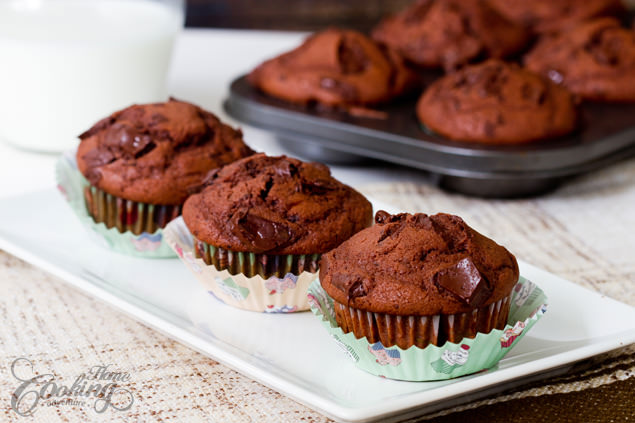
(336, 68)
(497, 103)
(595, 60)
(450, 33)
(419, 280)
(280, 210)
(546, 16)
(142, 162)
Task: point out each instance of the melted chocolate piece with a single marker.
(422, 220)
(465, 282)
(318, 186)
(262, 234)
(351, 56)
(382, 217)
(127, 140)
(95, 159)
(356, 290)
(391, 231)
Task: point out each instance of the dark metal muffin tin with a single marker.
(606, 135)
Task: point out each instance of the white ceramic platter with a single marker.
(292, 353)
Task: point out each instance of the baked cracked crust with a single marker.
(497, 103)
(450, 33)
(335, 68)
(157, 153)
(418, 265)
(276, 205)
(595, 60)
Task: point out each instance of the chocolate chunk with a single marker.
(95, 159)
(264, 193)
(391, 231)
(262, 234)
(357, 290)
(351, 56)
(422, 221)
(382, 217)
(318, 186)
(127, 141)
(465, 282)
(399, 222)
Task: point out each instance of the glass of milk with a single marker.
(65, 64)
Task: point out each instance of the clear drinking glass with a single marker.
(64, 64)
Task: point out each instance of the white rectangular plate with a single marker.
(292, 353)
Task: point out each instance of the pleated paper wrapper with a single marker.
(124, 226)
(528, 303)
(275, 292)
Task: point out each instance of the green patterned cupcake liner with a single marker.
(126, 215)
(127, 227)
(254, 282)
(450, 360)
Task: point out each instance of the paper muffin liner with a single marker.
(126, 215)
(421, 330)
(453, 359)
(123, 226)
(251, 264)
(279, 293)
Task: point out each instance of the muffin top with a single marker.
(157, 153)
(276, 205)
(543, 16)
(335, 68)
(450, 33)
(418, 265)
(497, 103)
(595, 60)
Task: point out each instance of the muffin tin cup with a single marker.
(124, 226)
(527, 304)
(254, 282)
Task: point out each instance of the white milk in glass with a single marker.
(64, 64)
